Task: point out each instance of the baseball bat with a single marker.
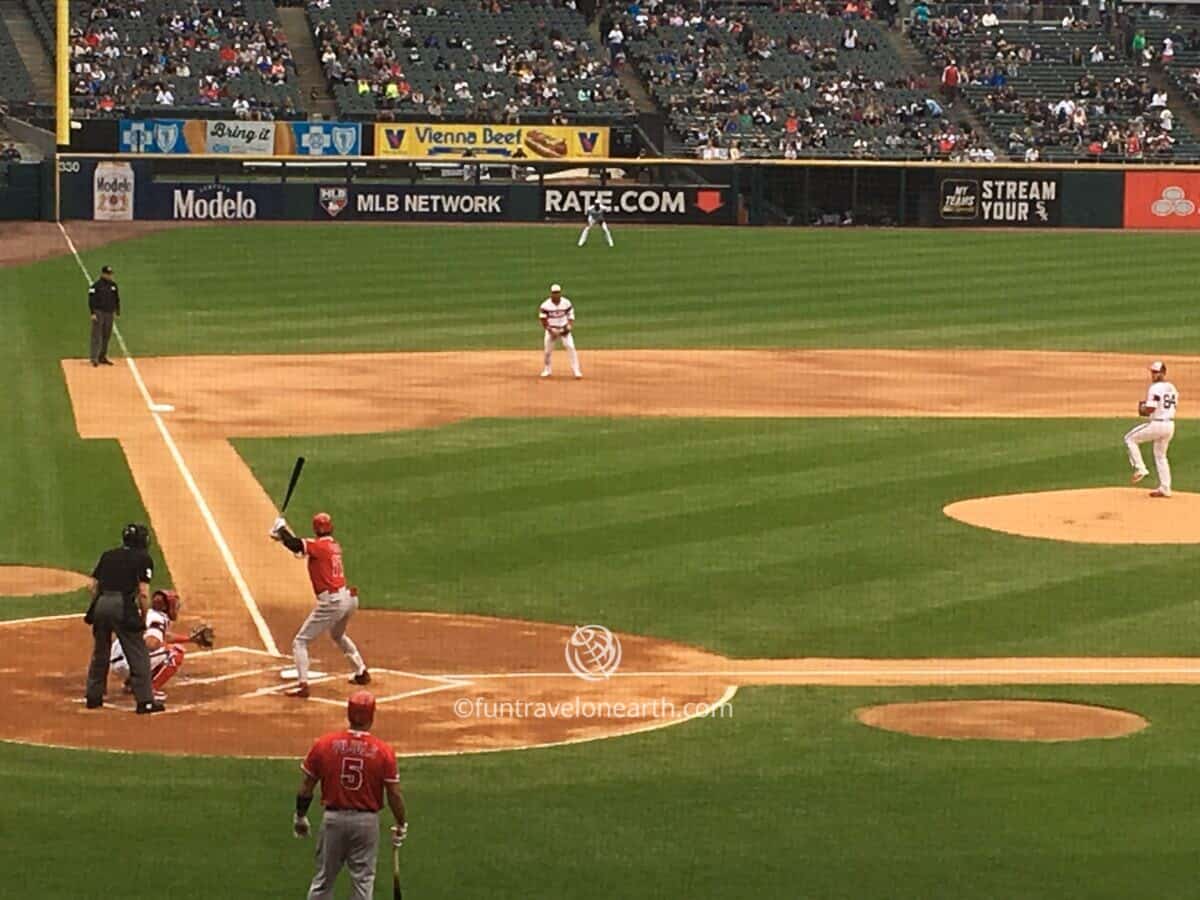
(396, 894)
(296, 470)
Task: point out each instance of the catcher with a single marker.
(165, 646)
(557, 316)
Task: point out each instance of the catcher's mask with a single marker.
(168, 602)
(360, 709)
(322, 524)
(136, 536)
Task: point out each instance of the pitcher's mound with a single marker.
(1002, 720)
(1090, 516)
(29, 581)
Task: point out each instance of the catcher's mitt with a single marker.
(202, 634)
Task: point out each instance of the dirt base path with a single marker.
(210, 515)
(26, 242)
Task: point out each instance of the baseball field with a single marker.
(749, 487)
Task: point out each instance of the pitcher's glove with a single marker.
(203, 635)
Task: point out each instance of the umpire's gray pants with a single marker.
(101, 331)
(350, 839)
(113, 614)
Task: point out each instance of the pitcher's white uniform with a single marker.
(557, 316)
(1162, 399)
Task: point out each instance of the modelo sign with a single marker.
(209, 202)
(999, 199)
(648, 204)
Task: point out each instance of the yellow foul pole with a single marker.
(62, 93)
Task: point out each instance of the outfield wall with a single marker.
(754, 192)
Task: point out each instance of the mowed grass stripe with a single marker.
(754, 537)
(332, 288)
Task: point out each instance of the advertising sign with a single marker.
(414, 202)
(209, 202)
(712, 205)
(492, 141)
(112, 192)
(1162, 199)
(1000, 198)
(318, 139)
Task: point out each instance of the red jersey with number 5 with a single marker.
(353, 767)
(324, 564)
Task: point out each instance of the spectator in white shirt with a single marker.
(164, 96)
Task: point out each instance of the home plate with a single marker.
(291, 674)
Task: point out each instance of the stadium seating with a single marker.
(1184, 31)
(15, 86)
(192, 38)
(1018, 73)
(460, 60)
(740, 73)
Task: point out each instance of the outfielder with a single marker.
(335, 602)
(595, 216)
(164, 646)
(557, 316)
(356, 770)
(1159, 406)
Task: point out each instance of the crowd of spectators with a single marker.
(483, 60)
(809, 78)
(127, 55)
(1070, 90)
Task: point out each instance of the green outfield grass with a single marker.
(280, 288)
(750, 537)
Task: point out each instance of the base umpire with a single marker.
(120, 583)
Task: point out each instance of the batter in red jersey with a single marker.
(357, 772)
(335, 602)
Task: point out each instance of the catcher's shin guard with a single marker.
(172, 664)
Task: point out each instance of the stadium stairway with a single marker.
(1185, 113)
(29, 48)
(628, 75)
(916, 61)
(313, 86)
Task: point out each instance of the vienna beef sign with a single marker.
(999, 199)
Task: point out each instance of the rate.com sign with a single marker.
(710, 205)
(1162, 199)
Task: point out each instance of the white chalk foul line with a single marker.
(260, 623)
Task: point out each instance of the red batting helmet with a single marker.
(168, 602)
(322, 523)
(360, 709)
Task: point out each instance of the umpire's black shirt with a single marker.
(104, 297)
(122, 569)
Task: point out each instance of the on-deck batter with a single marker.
(335, 602)
(557, 315)
(1160, 404)
(357, 772)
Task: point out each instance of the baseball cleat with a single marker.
(545, 373)
(1138, 476)
(145, 709)
(94, 704)
(1159, 492)
(578, 374)
(160, 697)
(300, 691)
(363, 677)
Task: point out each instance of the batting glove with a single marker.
(399, 833)
(300, 826)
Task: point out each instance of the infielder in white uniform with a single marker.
(1159, 406)
(595, 216)
(557, 316)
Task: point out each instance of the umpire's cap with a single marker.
(135, 535)
(360, 709)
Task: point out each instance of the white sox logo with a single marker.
(333, 200)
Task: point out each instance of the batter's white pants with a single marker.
(332, 613)
(1160, 433)
(568, 341)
